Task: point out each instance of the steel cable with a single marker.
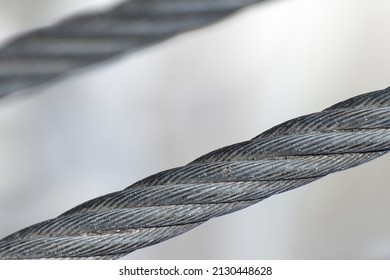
(172, 202)
(45, 54)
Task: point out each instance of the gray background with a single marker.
(101, 130)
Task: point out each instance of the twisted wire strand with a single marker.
(172, 202)
(45, 54)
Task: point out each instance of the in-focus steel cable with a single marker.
(172, 202)
(45, 54)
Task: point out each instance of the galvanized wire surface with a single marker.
(172, 202)
(45, 54)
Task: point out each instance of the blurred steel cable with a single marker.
(172, 202)
(45, 54)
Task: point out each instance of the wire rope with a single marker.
(169, 203)
(48, 53)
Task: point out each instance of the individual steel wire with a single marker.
(45, 54)
(172, 202)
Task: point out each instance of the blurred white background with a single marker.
(103, 129)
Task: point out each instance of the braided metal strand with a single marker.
(45, 54)
(172, 202)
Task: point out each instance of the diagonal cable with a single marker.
(45, 54)
(172, 202)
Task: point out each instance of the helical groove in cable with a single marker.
(172, 202)
(47, 53)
